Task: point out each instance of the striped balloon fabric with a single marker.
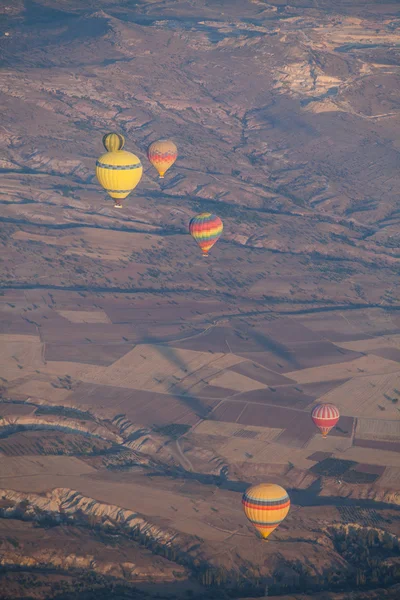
(113, 142)
(266, 506)
(162, 155)
(118, 173)
(325, 417)
(206, 229)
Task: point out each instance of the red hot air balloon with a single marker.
(325, 417)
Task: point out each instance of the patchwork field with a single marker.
(229, 387)
(378, 429)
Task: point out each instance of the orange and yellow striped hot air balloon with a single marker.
(266, 506)
(206, 229)
(162, 155)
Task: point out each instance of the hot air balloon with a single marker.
(206, 229)
(325, 416)
(266, 506)
(162, 155)
(113, 141)
(118, 171)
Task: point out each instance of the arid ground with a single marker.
(144, 387)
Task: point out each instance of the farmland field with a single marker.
(378, 429)
(367, 396)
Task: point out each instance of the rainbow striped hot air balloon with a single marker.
(206, 229)
(325, 417)
(162, 155)
(118, 171)
(266, 506)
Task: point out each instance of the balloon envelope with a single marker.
(266, 506)
(206, 229)
(325, 417)
(118, 173)
(113, 141)
(162, 155)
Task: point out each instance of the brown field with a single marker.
(283, 396)
(48, 443)
(112, 245)
(371, 456)
(298, 433)
(203, 390)
(318, 456)
(344, 428)
(219, 428)
(85, 316)
(366, 365)
(281, 365)
(42, 391)
(146, 408)
(287, 330)
(320, 388)
(258, 373)
(378, 445)
(378, 429)
(322, 353)
(25, 468)
(375, 343)
(390, 353)
(333, 326)
(228, 411)
(94, 354)
(363, 395)
(20, 355)
(374, 469)
(10, 410)
(13, 323)
(338, 439)
(236, 382)
(215, 340)
(157, 368)
(358, 325)
(164, 311)
(269, 416)
(391, 478)
(78, 333)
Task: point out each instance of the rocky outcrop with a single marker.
(63, 503)
(11, 424)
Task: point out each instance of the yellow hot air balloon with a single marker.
(162, 155)
(266, 506)
(118, 171)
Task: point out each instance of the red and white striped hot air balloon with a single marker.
(325, 417)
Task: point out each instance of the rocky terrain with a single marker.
(142, 388)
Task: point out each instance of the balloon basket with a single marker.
(205, 254)
(117, 205)
(161, 177)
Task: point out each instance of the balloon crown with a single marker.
(113, 142)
